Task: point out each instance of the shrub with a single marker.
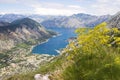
(95, 55)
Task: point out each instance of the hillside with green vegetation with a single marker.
(94, 55)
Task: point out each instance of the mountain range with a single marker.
(73, 21)
(76, 21)
(36, 17)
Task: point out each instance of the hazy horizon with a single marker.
(56, 7)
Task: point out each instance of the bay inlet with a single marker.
(54, 44)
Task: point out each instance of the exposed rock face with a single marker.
(6, 44)
(22, 30)
(114, 21)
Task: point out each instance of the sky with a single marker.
(60, 7)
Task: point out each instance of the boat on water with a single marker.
(58, 51)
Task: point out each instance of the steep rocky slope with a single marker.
(22, 30)
(114, 21)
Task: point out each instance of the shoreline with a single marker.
(43, 43)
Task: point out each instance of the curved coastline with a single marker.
(43, 43)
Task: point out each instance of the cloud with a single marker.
(43, 8)
(102, 7)
(75, 7)
(15, 11)
(97, 7)
(56, 9)
(51, 11)
(7, 1)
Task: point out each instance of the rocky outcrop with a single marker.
(41, 77)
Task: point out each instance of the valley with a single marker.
(28, 48)
(94, 54)
(59, 39)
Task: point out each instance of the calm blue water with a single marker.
(54, 43)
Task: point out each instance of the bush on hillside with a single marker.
(95, 55)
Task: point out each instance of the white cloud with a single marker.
(97, 7)
(75, 7)
(44, 8)
(56, 9)
(16, 12)
(50, 11)
(102, 7)
(7, 1)
(103, 1)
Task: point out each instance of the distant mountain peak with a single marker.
(83, 14)
(23, 21)
(26, 21)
